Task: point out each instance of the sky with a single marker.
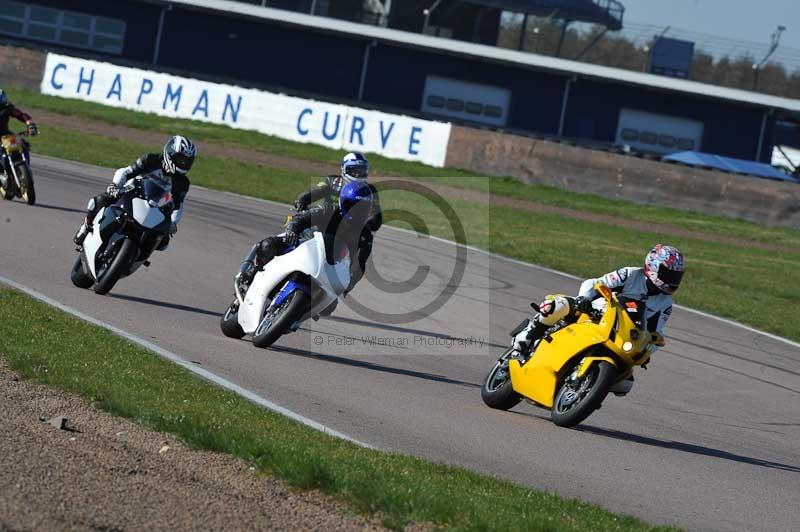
(753, 20)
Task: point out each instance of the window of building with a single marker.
(657, 133)
(475, 102)
(68, 28)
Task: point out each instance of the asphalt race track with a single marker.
(709, 439)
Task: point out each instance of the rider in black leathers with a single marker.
(355, 168)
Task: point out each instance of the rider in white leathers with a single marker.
(654, 283)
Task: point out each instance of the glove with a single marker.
(300, 205)
(32, 129)
(112, 190)
(173, 228)
(291, 237)
(583, 304)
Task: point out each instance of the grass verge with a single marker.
(500, 186)
(732, 281)
(125, 380)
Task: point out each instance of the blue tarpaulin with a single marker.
(728, 164)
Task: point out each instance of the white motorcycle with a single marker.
(290, 289)
(124, 234)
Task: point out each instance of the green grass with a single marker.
(498, 186)
(125, 380)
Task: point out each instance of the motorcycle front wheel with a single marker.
(278, 320)
(26, 189)
(577, 398)
(229, 322)
(107, 277)
(497, 391)
(78, 277)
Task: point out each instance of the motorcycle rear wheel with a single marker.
(290, 311)
(118, 267)
(78, 277)
(572, 405)
(497, 391)
(229, 322)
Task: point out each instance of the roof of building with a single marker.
(524, 59)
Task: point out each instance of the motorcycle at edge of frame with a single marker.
(572, 368)
(124, 234)
(16, 177)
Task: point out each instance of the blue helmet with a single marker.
(355, 167)
(355, 200)
(3, 99)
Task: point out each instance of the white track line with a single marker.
(172, 357)
(540, 268)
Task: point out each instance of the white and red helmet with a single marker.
(663, 265)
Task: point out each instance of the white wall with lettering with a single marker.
(297, 119)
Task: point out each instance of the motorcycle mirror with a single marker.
(604, 291)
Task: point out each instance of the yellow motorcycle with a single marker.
(573, 367)
(16, 178)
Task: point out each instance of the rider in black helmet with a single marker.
(172, 164)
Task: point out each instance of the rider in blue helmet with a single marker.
(354, 169)
(343, 224)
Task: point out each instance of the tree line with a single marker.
(543, 37)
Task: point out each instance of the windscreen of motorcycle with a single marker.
(156, 192)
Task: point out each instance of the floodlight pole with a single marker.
(773, 45)
(563, 35)
(159, 33)
(427, 13)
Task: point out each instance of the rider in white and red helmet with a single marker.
(654, 283)
(663, 267)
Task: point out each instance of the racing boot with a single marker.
(247, 270)
(621, 388)
(80, 236)
(530, 334)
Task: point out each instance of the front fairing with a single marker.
(12, 145)
(12, 152)
(150, 204)
(107, 224)
(538, 377)
(308, 258)
(619, 331)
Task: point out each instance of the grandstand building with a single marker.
(389, 64)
